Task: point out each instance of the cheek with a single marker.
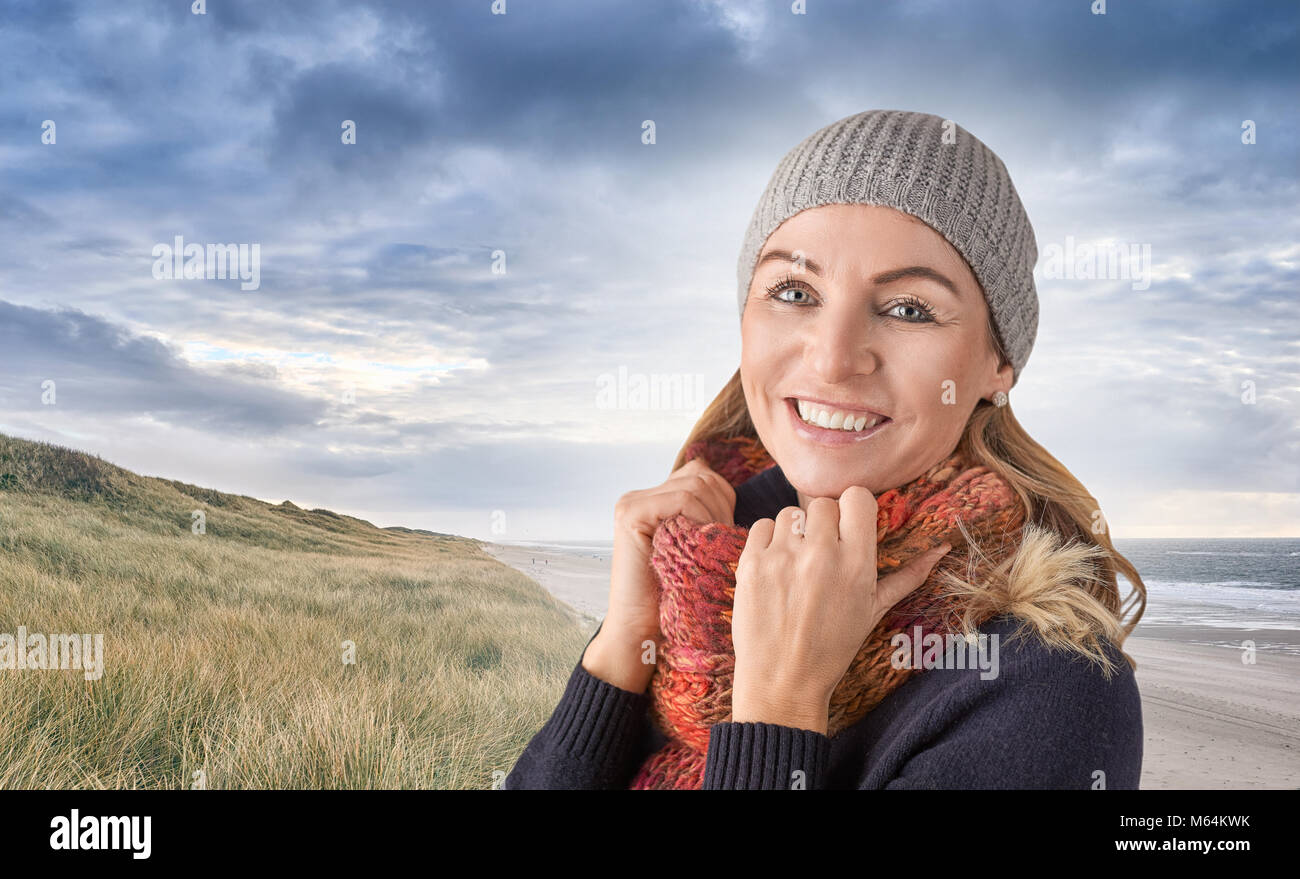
(762, 351)
(938, 395)
(752, 371)
(941, 374)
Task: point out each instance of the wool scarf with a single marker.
(695, 566)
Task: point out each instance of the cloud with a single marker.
(489, 142)
(98, 369)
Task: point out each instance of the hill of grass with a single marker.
(224, 651)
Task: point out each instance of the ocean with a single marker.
(592, 549)
(1224, 583)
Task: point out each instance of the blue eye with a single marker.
(927, 314)
(787, 283)
(777, 291)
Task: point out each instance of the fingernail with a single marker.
(944, 547)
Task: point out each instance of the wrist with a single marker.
(782, 707)
(618, 657)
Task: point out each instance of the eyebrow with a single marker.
(889, 277)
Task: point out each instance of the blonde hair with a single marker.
(1059, 510)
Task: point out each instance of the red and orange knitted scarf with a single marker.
(695, 564)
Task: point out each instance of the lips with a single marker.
(835, 417)
(832, 436)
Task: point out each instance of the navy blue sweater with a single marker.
(1048, 719)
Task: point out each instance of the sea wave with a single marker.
(1222, 605)
(1219, 553)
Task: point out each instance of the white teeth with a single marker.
(832, 420)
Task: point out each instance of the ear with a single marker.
(1000, 381)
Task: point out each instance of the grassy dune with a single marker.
(223, 651)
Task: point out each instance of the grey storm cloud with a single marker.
(98, 368)
(521, 135)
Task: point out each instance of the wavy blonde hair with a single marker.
(1062, 582)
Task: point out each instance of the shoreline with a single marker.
(581, 583)
(1211, 721)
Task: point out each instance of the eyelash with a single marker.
(789, 281)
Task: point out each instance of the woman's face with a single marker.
(870, 327)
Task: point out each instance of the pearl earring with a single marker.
(1000, 399)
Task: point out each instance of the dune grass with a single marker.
(224, 651)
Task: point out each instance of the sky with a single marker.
(439, 304)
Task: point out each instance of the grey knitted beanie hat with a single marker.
(934, 170)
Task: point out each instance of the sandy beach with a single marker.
(580, 582)
(1211, 721)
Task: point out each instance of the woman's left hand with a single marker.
(807, 596)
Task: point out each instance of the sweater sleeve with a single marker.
(1053, 721)
(592, 740)
(764, 756)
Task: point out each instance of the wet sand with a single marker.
(1213, 722)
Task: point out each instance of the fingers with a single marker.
(693, 490)
(691, 466)
(712, 488)
(790, 525)
(691, 506)
(653, 508)
(858, 512)
(892, 588)
(720, 495)
(823, 524)
(760, 536)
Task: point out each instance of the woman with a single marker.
(862, 572)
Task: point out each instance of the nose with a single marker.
(837, 346)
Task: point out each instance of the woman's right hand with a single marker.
(694, 490)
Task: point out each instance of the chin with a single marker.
(818, 482)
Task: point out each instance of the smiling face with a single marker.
(869, 327)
